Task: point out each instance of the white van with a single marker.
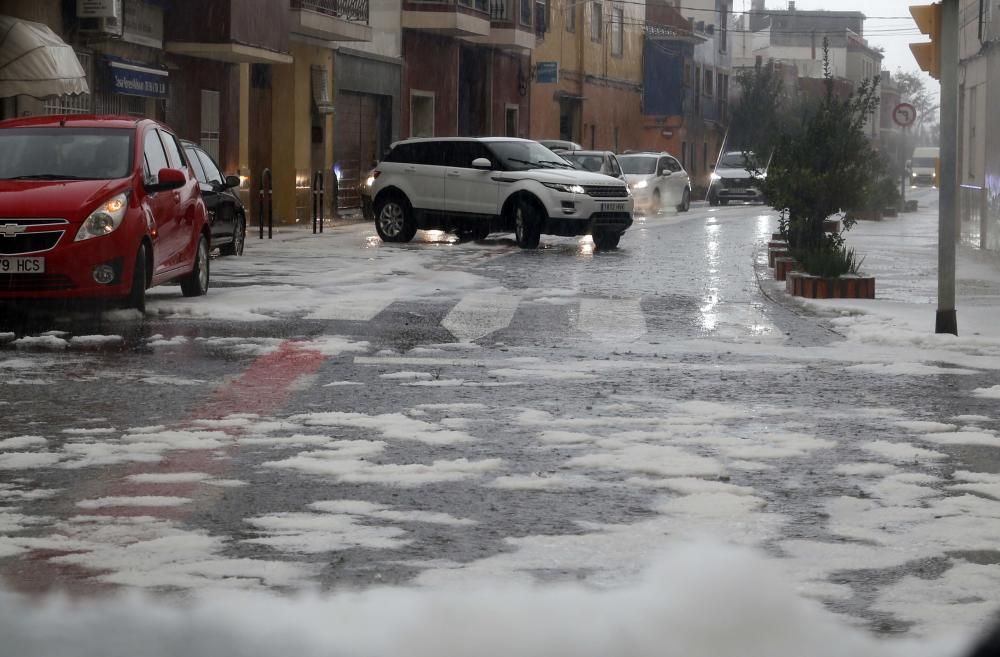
(923, 166)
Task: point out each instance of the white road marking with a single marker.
(612, 319)
(361, 309)
(478, 315)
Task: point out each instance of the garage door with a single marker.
(356, 146)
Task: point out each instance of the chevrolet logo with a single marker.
(10, 230)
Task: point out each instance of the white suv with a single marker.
(478, 186)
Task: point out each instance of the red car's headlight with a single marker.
(105, 219)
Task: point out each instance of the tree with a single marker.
(913, 90)
(830, 166)
(756, 119)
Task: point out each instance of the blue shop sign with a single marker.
(546, 72)
(134, 80)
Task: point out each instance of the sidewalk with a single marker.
(902, 253)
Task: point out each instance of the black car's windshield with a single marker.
(733, 161)
(526, 155)
(65, 153)
(638, 164)
(586, 161)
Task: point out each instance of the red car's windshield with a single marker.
(65, 153)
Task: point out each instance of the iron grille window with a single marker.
(119, 105)
(78, 104)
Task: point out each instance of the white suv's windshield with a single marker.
(65, 153)
(638, 164)
(526, 155)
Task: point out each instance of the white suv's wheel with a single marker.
(394, 219)
(527, 228)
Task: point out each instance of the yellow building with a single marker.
(587, 82)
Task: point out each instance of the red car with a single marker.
(99, 208)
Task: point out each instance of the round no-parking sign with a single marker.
(904, 115)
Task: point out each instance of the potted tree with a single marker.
(827, 167)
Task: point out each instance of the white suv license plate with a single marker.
(22, 265)
(614, 207)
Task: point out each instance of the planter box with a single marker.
(777, 237)
(846, 287)
(890, 212)
(831, 226)
(784, 266)
(910, 206)
(775, 252)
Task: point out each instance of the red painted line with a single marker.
(262, 389)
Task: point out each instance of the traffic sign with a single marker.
(904, 115)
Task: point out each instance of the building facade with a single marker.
(587, 73)
(466, 66)
(978, 133)
(687, 77)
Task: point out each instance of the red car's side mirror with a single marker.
(168, 179)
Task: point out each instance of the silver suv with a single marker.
(480, 186)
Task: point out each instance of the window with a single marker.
(211, 101)
(173, 151)
(673, 165)
(542, 18)
(156, 157)
(684, 153)
(617, 31)
(199, 172)
(460, 154)
(687, 74)
(708, 82)
(596, 21)
(527, 7)
(212, 172)
(421, 114)
(570, 9)
(616, 169)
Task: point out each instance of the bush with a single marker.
(829, 261)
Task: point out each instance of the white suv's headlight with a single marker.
(569, 189)
(642, 184)
(105, 219)
(715, 176)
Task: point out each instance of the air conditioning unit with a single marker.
(106, 26)
(108, 19)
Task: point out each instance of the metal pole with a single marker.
(984, 213)
(947, 319)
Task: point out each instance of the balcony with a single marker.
(458, 18)
(243, 31)
(331, 20)
(511, 25)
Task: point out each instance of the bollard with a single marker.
(266, 189)
(317, 194)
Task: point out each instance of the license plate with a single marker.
(613, 207)
(22, 265)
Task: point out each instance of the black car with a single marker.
(227, 216)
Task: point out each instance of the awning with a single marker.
(34, 61)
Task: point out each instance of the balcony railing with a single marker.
(348, 10)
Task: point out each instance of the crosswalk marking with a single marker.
(478, 315)
(361, 309)
(612, 319)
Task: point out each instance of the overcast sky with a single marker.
(888, 25)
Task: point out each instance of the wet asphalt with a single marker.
(696, 278)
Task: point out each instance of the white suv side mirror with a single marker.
(482, 163)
